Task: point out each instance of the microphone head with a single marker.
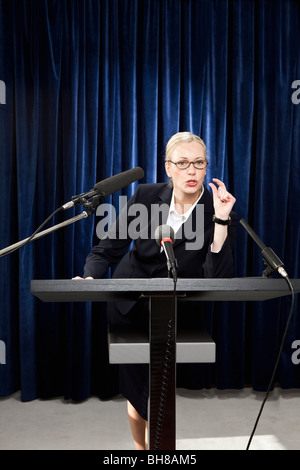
(116, 182)
(164, 231)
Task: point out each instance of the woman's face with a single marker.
(188, 182)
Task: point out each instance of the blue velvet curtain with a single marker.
(93, 88)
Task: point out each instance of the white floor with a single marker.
(206, 419)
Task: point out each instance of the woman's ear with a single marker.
(167, 168)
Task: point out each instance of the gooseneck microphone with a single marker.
(273, 264)
(108, 186)
(101, 190)
(165, 236)
(271, 259)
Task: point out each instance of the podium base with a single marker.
(133, 347)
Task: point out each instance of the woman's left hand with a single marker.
(223, 201)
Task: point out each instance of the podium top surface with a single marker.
(97, 290)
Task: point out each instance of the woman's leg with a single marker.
(138, 427)
(134, 378)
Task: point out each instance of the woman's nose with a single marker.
(191, 169)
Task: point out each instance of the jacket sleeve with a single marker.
(221, 264)
(112, 247)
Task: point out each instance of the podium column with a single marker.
(162, 373)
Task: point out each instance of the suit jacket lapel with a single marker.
(194, 224)
(162, 207)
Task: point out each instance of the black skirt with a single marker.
(134, 378)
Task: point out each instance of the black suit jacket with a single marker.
(145, 259)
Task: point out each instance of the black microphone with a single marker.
(165, 236)
(271, 259)
(108, 186)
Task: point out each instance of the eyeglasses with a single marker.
(183, 165)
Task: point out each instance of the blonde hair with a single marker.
(179, 138)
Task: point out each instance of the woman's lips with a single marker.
(191, 183)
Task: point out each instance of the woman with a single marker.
(186, 163)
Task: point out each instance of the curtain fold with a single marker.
(96, 87)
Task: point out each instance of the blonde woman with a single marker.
(185, 164)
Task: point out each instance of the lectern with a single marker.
(163, 348)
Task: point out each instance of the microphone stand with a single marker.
(172, 269)
(90, 208)
(271, 260)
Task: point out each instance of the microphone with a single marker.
(165, 236)
(108, 186)
(270, 258)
